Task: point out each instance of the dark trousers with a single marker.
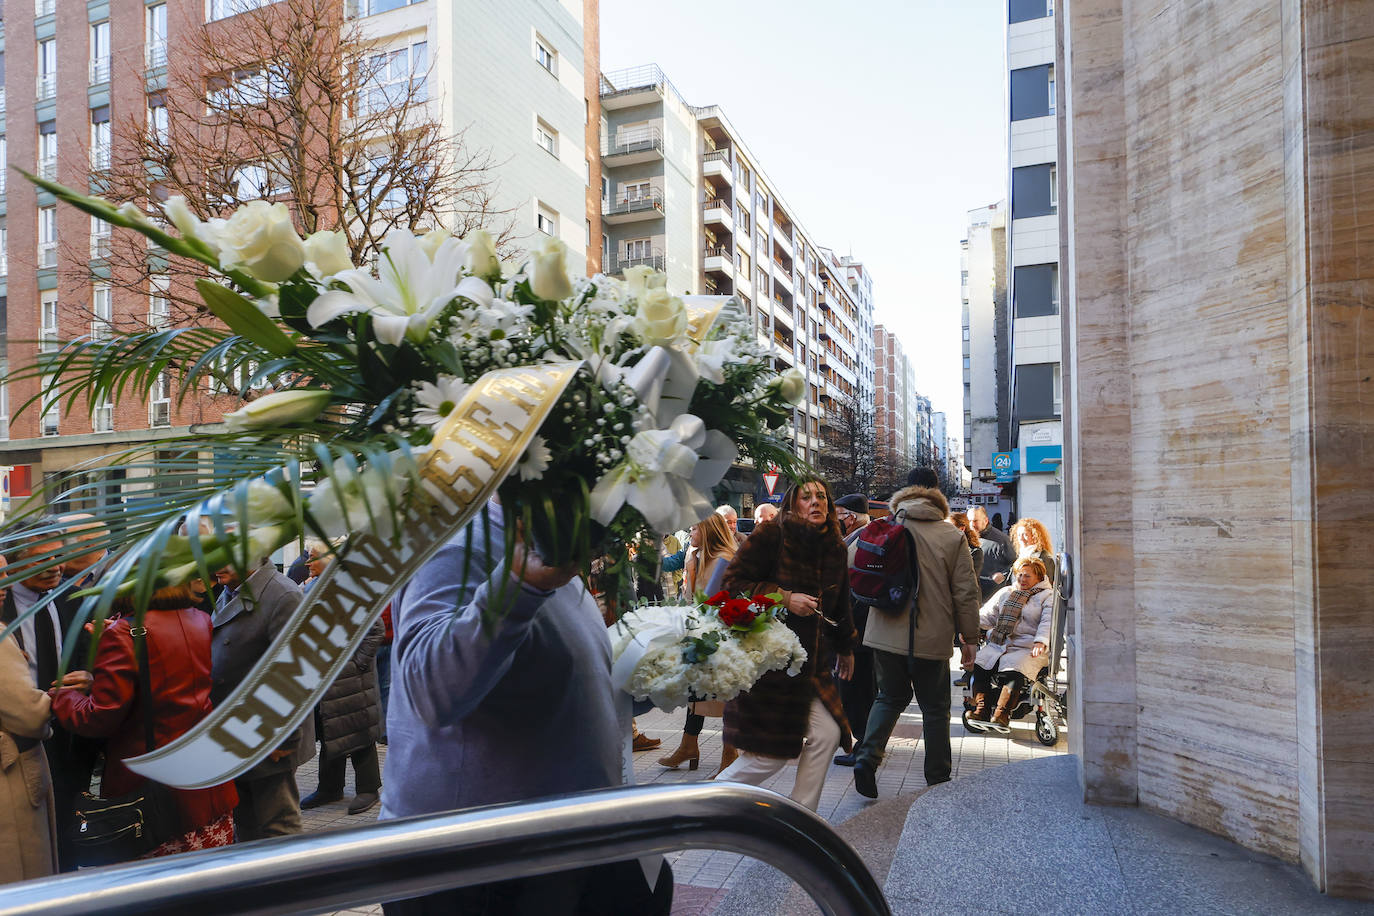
(367, 772)
(384, 679)
(982, 681)
(900, 678)
(617, 889)
(858, 692)
(268, 806)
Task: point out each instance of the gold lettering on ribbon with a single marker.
(472, 453)
(702, 313)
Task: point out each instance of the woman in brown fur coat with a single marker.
(802, 555)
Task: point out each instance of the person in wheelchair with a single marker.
(1016, 623)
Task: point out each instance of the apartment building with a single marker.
(77, 69)
(986, 339)
(892, 375)
(682, 192)
(1036, 433)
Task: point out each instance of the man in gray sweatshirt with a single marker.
(517, 709)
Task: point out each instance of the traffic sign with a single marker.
(770, 481)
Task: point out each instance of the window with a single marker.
(4, 401)
(102, 312)
(1031, 193)
(546, 220)
(47, 69)
(744, 177)
(545, 56)
(100, 53)
(100, 138)
(382, 182)
(546, 137)
(160, 401)
(247, 87)
(102, 415)
(966, 362)
(634, 190)
(965, 333)
(638, 249)
(397, 77)
(159, 306)
(100, 238)
(1036, 290)
(1054, 189)
(373, 7)
(1035, 391)
(47, 236)
(47, 150)
(155, 43)
(223, 9)
(742, 262)
(48, 342)
(157, 120)
(4, 249)
(1032, 92)
(1026, 10)
(742, 220)
(588, 242)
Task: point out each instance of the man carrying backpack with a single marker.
(912, 642)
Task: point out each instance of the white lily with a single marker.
(409, 292)
(346, 502)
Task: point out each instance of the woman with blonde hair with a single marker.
(1030, 538)
(960, 520)
(715, 548)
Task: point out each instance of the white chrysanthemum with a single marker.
(535, 461)
(438, 399)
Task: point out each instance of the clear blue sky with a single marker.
(880, 121)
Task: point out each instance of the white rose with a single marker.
(187, 223)
(260, 238)
(281, 408)
(637, 280)
(661, 319)
(328, 251)
(549, 271)
(267, 503)
(482, 260)
(790, 386)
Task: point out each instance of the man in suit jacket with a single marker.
(42, 637)
(248, 616)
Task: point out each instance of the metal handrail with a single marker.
(393, 860)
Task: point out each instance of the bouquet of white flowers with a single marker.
(371, 366)
(713, 649)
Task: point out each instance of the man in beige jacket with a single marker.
(912, 647)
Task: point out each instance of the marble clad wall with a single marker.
(1220, 352)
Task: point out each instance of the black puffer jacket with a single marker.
(349, 717)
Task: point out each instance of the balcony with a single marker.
(634, 207)
(100, 70)
(155, 54)
(715, 211)
(718, 260)
(47, 86)
(782, 238)
(631, 147)
(716, 163)
(618, 265)
(47, 254)
(782, 277)
(633, 87)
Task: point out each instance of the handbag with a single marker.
(125, 827)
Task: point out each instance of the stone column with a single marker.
(1098, 476)
(1329, 147)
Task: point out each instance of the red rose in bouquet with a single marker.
(738, 612)
(718, 599)
(764, 601)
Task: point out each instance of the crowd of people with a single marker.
(155, 672)
(485, 712)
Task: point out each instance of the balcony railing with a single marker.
(47, 86)
(653, 200)
(47, 254)
(100, 158)
(47, 168)
(100, 69)
(640, 140)
(716, 155)
(100, 246)
(715, 203)
(655, 260)
(44, 7)
(156, 54)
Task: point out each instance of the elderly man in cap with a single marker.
(858, 692)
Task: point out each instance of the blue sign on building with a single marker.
(1004, 466)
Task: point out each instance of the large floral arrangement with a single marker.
(712, 649)
(365, 361)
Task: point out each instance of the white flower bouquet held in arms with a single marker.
(369, 368)
(713, 649)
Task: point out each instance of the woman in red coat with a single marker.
(178, 647)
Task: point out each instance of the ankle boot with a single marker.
(687, 751)
(980, 712)
(727, 757)
(1001, 717)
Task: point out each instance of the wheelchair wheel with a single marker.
(1045, 729)
(973, 728)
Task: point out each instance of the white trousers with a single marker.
(822, 738)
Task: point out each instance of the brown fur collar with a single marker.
(934, 496)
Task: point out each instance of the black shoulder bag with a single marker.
(120, 829)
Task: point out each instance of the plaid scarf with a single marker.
(1009, 615)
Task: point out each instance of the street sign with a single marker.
(770, 481)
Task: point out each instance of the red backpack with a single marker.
(884, 574)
